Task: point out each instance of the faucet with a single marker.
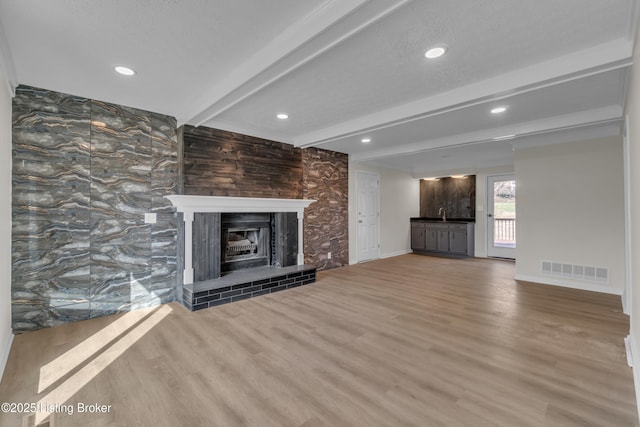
(443, 213)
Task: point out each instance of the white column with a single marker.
(300, 236)
(188, 248)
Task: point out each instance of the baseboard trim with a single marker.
(573, 285)
(396, 253)
(632, 357)
(625, 307)
(4, 357)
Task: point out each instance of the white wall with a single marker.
(633, 133)
(6, 336)
(399, 201)
(570, 209)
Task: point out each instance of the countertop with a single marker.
(455, 220)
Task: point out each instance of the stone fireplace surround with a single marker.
(245, 283)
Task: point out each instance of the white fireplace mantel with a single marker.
(189, 205)
(192, 204)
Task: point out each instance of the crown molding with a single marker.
(7, 64)
(634, 14)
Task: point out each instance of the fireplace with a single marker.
(237, 248)
(269, 232)
(245, 240)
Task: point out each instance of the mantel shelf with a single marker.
(193, 204)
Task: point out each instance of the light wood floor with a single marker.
(411, 340)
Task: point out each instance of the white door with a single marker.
(368, 216)
(501, 216)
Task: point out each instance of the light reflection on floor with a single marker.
(67, 362)
(98, 342)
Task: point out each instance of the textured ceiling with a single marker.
(343, 69)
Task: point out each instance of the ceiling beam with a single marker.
(297, 45)
(551, 124)
(470, 165)
(594, 60)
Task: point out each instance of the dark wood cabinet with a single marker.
(440, 237)
(443, 240)
(418, 236)
(458, 243)
(432, 239)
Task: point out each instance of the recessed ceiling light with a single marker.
(431, 179)
(458, 176)
(125, 71)
(365, 140)
(282, 116)
(498, 110)
(500, 138)
(435, 52)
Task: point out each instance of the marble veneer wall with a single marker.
(84, 174)
(326, 179)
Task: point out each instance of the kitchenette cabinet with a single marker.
(453, 238)
(418, 237)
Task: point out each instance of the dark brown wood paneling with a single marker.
(206, 246)
(220, 163)
(456, 195)
(285, 242)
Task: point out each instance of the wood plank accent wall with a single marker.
(221, 163)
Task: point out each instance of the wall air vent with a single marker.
(602, 274)
(575, 271)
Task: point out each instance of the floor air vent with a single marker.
(574, 271)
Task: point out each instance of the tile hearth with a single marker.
(245, 284)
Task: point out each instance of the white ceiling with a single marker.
(343, 69)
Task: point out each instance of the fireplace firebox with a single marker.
(243, 243)
(246, 241)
